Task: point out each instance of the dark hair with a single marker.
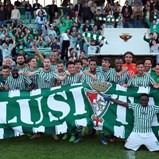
(70, 63)
(144, 94)
(85, 58)
(78, 61)
(106, 59)
(129, 52)
(30, 58)
(59, 62)
(92, 59)
(5, 67)
(139, 63)
(148, 58)
(119, 58)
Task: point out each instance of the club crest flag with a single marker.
(60, 109)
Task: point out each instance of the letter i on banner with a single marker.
(121, 111)
(79, 100)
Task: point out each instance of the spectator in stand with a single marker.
(137, 15)
(153, 26)
(149, 38)
(157, 5)
(92, 4)
(23, 3)
(17, 3)
(40, 20)
(96, 19)
(41, 10)
(65, 44)
(155, 49)
(110, 20)
(36, 6)
(87, 25)
(7, 49)
(3, 16)
(87, 13)
(79, 7)
(107, 8)
(15, 15)
(52, 10)
(55, 46)
(71, 11)
(9, 7)
(45, 28)
(77, 18)
(126, 18)
(129, 8)
(28, 9)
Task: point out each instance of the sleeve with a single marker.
(83, 78)
(152, 81)
(156, 108)
(148, 22)
(132, 105)
(55, 75)
(1, 84)
(36, 72)
(130, 82)
(27, 80)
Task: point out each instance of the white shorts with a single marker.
(135, 140)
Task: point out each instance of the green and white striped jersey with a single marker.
(89, 79)
(122, 79)
(22, 69)
(106, 74)
(1, 84)
(138, 81)
(45, 79)
(72, 79)
(53, 67)
(143, 117)
(32, 78)
(18, 83)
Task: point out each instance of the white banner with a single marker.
(121, 40)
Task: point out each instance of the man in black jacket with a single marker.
(52, 9)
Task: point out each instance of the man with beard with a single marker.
(60, 71)
(21, 63)
(148, 66)
(17, 81)
(5, 73)
(88, 79)
(93, 72)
